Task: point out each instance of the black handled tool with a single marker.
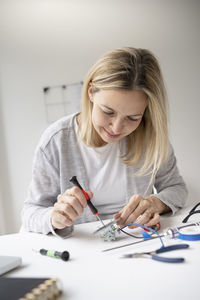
(87, 197)
(56, 254)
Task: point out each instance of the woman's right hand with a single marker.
(69, 206)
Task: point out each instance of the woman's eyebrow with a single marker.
(135, 115)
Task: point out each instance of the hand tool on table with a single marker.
(53, 253)
(153, 254)
(91, 206)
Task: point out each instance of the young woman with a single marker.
(117, 146)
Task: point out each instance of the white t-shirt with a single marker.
(106, 173)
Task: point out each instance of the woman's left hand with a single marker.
(144, 211)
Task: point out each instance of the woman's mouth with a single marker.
(112, 136)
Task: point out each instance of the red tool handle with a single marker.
(91, 206)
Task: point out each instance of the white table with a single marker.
(93, 274)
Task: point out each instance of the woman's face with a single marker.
(116, 113)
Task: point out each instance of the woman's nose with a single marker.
(116, 125)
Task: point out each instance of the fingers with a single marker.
(74, 192)
(139, 210)
(60, 221)
(72, 208)
(69, 206)
(154, 220)
(117, 215)
(132, 210)
(144, 217)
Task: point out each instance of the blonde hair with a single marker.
(131, 69)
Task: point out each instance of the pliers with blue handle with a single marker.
(154, 256)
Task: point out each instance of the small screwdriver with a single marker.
(56, 254)
(91, 206)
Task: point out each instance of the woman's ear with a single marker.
(90, 93)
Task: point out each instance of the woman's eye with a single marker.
(132, 119)
(107, 113)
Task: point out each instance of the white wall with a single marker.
(55, 42)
